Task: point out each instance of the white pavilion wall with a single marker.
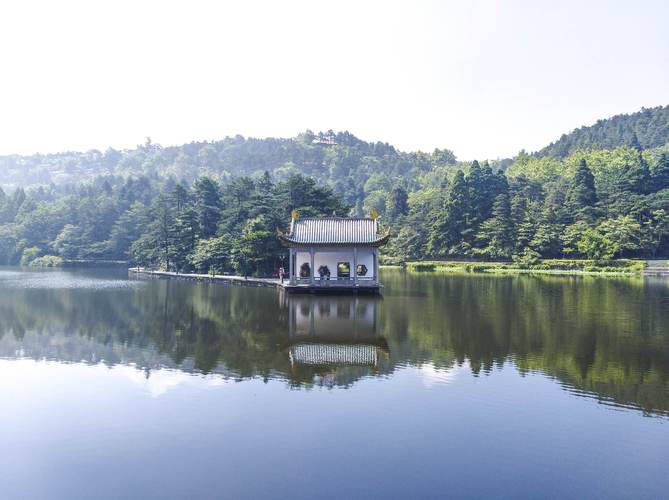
(332, 316)
(331, 257)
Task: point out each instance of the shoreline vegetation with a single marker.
(618, 267)
(565, 267)
(56, 261)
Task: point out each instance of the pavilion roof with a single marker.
(330, 354)
(338, 231)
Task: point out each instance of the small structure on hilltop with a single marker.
(334, 253)
(327, 140)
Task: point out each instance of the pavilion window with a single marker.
(361, 270)
(324, 272)
(305, 270)
(343, 270)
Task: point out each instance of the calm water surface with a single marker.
(448, 386)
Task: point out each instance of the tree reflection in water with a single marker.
(603, 337)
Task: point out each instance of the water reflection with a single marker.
(598, 338)
(334, 340)
(332, 316)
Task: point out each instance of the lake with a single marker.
(446, 386)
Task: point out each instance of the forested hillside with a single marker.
(648, 128)
(218, 206)
(352, 167)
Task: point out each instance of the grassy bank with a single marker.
(55, 261)
(548, 266)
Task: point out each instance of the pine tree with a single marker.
(483, 186)
(552, 220)
(156, 246)
(476, 192)
(634, 142)
(497, 231)
(264, 185)
(582, 196)
(660, 173)
(452, 222)
(398, 202)
(15, 204)
(127, 229)
(207, 206)
(264, 202)
(181, 197)
(185, 228)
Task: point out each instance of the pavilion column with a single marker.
(291, 278)
(376, 266)
(355, 266)
(311, 256)
(312, 319)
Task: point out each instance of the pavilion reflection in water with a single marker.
(334, 330)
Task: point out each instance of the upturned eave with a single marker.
(288, 242)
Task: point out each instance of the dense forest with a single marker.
(648, 127)
(219, 205)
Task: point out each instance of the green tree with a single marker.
(443, 157)
(377, 200)
(29, 255)
(582, 196)
(660, 173)
(452, 222)
(257, 251)
(186, 227)
(68, 242)
(207, 198)
(571, 235)
(398, 203)
(156, 246)
(10, 248)
(624, 231)
(496, 233)
(655, 231)
(476, 191)
(310, 199)
(594, 245)
(212, 255)
(127, 229)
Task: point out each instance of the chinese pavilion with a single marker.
(334, 253)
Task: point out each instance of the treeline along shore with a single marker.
(218, 206)
(616, 267)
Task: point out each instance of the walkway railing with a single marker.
(338, 282)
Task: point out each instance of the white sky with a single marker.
(484, 78)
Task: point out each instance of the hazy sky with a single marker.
(484, 78)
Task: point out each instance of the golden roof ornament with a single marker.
(374, 213)
(294, 214)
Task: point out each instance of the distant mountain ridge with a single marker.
(341, 160)
(350, 165)
(648, 128)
